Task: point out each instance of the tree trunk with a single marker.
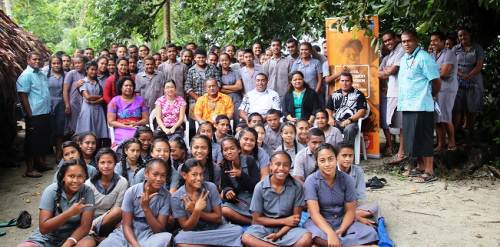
(166, 21)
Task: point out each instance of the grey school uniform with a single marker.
(304, 163)
(105, 199)
(310, 70)
(230, 79)
(75, 98)
(273, 138)
(174, 178)
(449, 86)
(204, 232)
(159, 204)
(263, 158)
(92, 116)
(333, 136)
(57, 115)
(357, 173)
(133, 177)
(48, 203)
(470, 93)
(331, 202)
(277, 205)
(290, 151)
(242, 186)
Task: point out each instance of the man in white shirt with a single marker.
(261, 99)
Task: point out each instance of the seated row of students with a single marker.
(78, 210)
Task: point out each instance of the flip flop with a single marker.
(11, 222)
(397, 160)
(32, 174)
(425, 178)
(413, 173)
(376, 183)
(452, 148)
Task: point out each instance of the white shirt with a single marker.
(260, 102)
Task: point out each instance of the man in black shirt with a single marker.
(345, 107)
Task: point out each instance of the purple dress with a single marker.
(126, 112)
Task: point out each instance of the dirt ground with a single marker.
(444, 213)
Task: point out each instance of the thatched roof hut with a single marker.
(15, 44)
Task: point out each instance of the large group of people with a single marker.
(269, 159)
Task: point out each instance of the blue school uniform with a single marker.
(217, 175)
(133, 177)
(331, 202)
(204, 232)
(159, 204)
(242, 186)
(48, 203)
(277, 205)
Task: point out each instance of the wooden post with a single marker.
(166, 21)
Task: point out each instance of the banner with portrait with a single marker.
(356, 51)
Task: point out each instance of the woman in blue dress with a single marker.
(239, 174)
(331, 202)
(197, 208)
(146, 209)
(277, 203)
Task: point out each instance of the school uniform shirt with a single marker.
(133, 177)
(333, 136)
(261, 102)
(310, 70)
(290, 151)
(304, 163)
(105, 199)
(48, 203)
(206, 174)
(357, 173)
(91, 171)
(150, 87)
(273, 137)
(278, 70)
(394, 58)
(35, 84)
(248, 78)
(176, 72)
(345, 106)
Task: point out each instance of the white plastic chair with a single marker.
(111, 131)
(152, 118)
(359, 141)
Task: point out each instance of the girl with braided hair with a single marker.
(66, 209)
(71, 151)
(108, 188)
(131, 164)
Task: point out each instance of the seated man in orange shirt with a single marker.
(212, 103)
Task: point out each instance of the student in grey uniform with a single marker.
(146, 209)
(366, 212)
(55, 77)
(178, 151)
(71, 151)
(302, 127)
(92, 117)
(469, 100)
(131, 163)
(305, 163)
(88, 144)
(202, 152)
(332, 134)
(66, 209)
(160, 149)
(276, 206)
(331, 202)
(248, 144)
(108, 188)
(288, 140)
(145, 135)
(261, 136)
(207, 129)
(197, 208)
(447, 61)
(273, 125)
(239, 174)
(71, 94)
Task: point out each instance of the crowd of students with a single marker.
(268, 140)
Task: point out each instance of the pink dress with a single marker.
(170, 110)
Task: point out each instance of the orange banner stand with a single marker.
(358, 52)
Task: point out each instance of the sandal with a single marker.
(396, 159)
(454, 148)
(32, 174)
(376, 183)
(413, 173)
(425, 178)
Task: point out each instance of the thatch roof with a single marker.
(15, 44)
